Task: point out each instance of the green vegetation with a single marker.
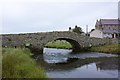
(17, 63)
(77, 29)
(113, 48)
(59, 44)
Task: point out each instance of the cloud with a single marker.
(119, 9)
(36, 16)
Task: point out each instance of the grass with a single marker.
(113, 48)
(59, 44)
(17, 63)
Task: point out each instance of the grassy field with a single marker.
(113, 48)
(17, 63)
(59, 44)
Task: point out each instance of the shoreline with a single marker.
(112, 48)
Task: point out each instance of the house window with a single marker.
(112, 35)
(116, 35)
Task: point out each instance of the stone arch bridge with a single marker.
(38, 40)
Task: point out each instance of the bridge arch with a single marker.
(75, 45)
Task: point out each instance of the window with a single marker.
(116, 35)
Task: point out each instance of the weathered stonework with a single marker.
(38, 40)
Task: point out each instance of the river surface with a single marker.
(63, 63)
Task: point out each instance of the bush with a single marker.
(17, 63)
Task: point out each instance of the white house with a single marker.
(103, 34)
(106, 28)
(96, 33)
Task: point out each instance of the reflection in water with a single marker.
(86, 71)
(55, 56)
(82, 65)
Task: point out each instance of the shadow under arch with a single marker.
(75, 45)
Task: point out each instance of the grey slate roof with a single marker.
(109, 21)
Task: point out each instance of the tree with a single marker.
(77, 29)
(92, 30)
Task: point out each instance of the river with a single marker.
(63, 63)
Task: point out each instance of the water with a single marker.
(55, 55)
(61, 63)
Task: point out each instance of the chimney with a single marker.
(75, 26)
(69, 28)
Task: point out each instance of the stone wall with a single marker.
(116, 40)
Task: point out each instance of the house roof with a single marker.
(108, 21)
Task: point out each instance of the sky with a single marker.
(29, 16)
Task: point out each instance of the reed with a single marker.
(17, 63)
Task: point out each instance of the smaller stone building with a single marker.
(106, 28)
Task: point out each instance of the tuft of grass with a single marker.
(17, 63)
(113, 48)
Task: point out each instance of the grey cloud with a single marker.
(34, 17)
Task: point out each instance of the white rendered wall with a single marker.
(96, 33)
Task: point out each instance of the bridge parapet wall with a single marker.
(39, 40)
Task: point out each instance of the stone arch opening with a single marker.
(75, 45)
(61, 44)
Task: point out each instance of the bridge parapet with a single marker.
(38, 40)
